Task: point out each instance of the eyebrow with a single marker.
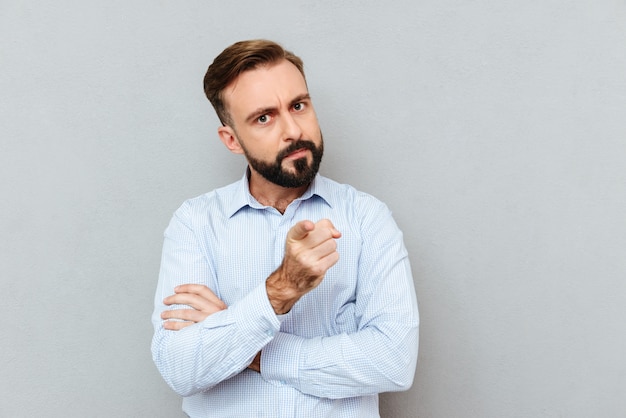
(263, 110)
(300, 98)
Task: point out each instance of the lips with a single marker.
(296, 150)
(299, 153)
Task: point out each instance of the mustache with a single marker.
(294, 146)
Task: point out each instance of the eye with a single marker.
(299, 106)
(263, 119)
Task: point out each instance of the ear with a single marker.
(229, 138)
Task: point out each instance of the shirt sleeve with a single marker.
(382, 354)
(202, 355)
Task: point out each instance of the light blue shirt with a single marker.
(352, 337)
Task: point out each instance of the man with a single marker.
(284, 294)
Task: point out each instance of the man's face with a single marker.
(274, 124)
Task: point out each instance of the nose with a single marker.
(291, 128)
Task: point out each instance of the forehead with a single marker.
(265, 86)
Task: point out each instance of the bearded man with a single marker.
(284, 294)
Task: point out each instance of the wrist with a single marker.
(280, 292)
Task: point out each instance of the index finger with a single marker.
(326, 223)
(300, 230)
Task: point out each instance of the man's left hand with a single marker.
(200, 298)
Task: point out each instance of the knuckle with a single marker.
(301, 258)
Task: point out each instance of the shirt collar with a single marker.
(242, 197)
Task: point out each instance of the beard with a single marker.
(303, 173)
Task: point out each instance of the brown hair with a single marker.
(240, 57)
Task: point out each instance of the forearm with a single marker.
(378, 355)
(344, 365)
(202, 355)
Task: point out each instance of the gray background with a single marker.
(495, 131)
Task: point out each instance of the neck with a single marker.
(270, 194)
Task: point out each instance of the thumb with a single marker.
(300, 230)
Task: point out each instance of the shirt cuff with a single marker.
(255, 317)
(280, 359)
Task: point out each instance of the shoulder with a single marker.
(216, 203)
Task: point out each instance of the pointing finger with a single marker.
(328, 224)
(300, 230)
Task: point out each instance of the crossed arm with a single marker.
(310, 250)
(384, 345)
(202, 302)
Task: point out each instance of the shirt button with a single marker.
(270, 333)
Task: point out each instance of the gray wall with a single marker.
(495, 131)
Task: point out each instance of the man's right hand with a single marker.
(310, 250)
